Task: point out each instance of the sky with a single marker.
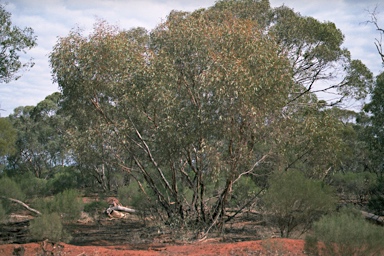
(51, 19)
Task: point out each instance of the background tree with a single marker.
(13, 41)
(378, 42)
(7, 139)
(40, 140)
(313, 48)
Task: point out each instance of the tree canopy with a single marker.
(214, 109)
(13, 42)
(204, 101)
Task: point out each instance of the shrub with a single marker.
(65, 179)
(293, 201)
(243, 191)
(68, 204)
(3, 214)
(354, 185)
(48, 226)
(95, 207)
(131, 195)
(347, 233)
(31, 185)
(311, 246)
(376, 202)
(10, 188)
(125, 194)
(44, 205)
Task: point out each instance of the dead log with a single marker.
(22, 204)
(119, 208)
(373, 217)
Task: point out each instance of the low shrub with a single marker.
(66, 178)
(311, 246)
(293, 202)
(10, 188)
(3, 214)
(68, 204)
(95, 207)
(131, 195)
(376, 201)
(48, 226)
(31, 185)
(243, 190)
(44, 205)
(348, 233)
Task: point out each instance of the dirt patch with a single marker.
(274, 246)
(133, 236)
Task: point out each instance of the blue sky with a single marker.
(51, 19)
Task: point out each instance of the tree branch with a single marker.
(22, 204)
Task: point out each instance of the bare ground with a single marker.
(133, 236)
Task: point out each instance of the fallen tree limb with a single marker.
(373, 217)
(121, 209)
(22, 204)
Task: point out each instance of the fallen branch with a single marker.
(22, 204)
(370, 216)
(121, 209)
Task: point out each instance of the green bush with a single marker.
(3, 214)
(131, 195)
(243, 191)
(44, 205)
(311, 246)
(48, 226)
(376, 201)
(293, 201)
(125, 193)
(31, 185)
(10, 188)
(348, 233)
(354, 185)
(66, 178)
(68, 204)
(95, 207)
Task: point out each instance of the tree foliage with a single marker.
(204, 101)
(189, 101)
(7, 137)
(40, 145)
(13, 42)
(313, 48)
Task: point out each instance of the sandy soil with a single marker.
(275, 246)
(131, 236)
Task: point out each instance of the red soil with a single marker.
(275, 246)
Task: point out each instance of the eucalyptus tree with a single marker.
(39, 144)
(373, 122)
(319, 63)
(7, 139)
(190, 105)
(13, 41)
(197, 104)
(321, 68)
